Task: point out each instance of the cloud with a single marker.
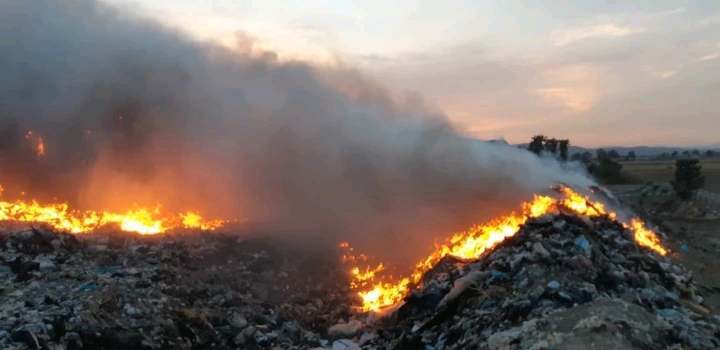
(665, 74)
(573, 99)
(574, 87)
(710, 57)
(610, 30)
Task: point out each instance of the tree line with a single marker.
(688, 171)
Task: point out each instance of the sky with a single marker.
(597, 72)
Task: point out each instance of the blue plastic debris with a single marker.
(554, 285)
(582, 244)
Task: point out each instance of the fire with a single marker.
(645, 237)
(379, 292)
(37, 142)
(141, 220)
(195, 221)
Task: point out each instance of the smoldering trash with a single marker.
(561, 280)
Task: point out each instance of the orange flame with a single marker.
(37, 142)
(141, 220)
(645, 237)
(379, 292)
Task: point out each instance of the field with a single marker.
(640, 172)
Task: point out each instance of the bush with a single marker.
(688, 178)
(608, 170)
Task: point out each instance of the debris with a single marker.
(345, 344)
(175, 291)
(345, 330)
(562, 281)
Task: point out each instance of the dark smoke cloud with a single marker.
(132, 112)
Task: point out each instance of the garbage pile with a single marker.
(563, 282)
(184, 291)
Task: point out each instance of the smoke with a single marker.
(132, 112)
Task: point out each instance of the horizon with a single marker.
(580, 69)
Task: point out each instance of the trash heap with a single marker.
(184, 291)
(563, 282)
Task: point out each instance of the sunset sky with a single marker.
(597, 72)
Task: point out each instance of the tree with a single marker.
(631, 155)
(709, 153)
(564, 145)
(696, 152)
(536, 145)
(551, 146)
(688, 178)
(613, 154)
(601, 153)
(674, 154)
(608, 170)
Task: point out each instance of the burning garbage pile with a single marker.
(563, 271)
(562, 274)
(378, 293)
(61, 217)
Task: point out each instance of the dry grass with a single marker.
(663, 171)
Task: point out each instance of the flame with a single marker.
(141, 220)
(195, 221)
(378, 292)
(645, 237)
(37, 142)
